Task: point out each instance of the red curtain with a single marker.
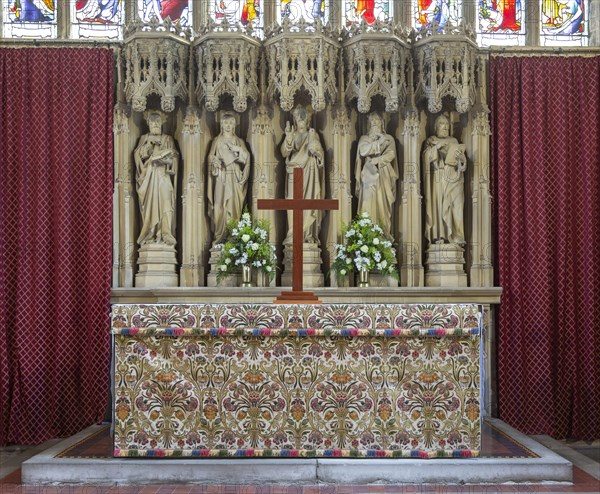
(546, 159)
(55, 240)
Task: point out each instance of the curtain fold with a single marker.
(56, 241)
(546, 162)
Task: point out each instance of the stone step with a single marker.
(47, 469)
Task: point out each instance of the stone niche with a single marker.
(341, 79)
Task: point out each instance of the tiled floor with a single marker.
(584, 483)
(494, 445)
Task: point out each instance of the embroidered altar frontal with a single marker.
(262, 380)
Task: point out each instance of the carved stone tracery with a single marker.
(446, 60)
(227, 58)
(302, 56)
(156, 62)
(377, 58)
(380, 61)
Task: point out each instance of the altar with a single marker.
(204, 365)
(330, 380)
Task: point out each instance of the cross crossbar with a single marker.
(298, 205)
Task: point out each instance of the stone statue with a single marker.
(156, 165)
(376, 173)
(444, 164)
(229, 169)
(302, 148)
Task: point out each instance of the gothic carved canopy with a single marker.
(302, 56)
(156, 62)
(446, 59)
(377, 58)
(227, 61)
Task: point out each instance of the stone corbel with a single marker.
(156, 63)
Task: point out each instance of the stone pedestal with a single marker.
(232, 280)
(157, 266)
(312, 274)
(445, 265)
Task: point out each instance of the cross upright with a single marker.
(298, 205)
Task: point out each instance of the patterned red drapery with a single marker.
(546, 155)
(56, 215)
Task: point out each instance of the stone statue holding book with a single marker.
(156, 161)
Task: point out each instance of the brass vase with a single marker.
(363, 278)
(246, 276)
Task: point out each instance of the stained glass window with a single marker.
(96, 19)
(310, 10)
(369, 10)
(501, 22)
(177, 10)
(243, 11)
(441, 12)
(564, 22)
(29, 18)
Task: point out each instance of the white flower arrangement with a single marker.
(365, 248)
(247, 245)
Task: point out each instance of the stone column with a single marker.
(470, 10)
(403, 12)
(124, 202)
(340, 181)
(261, 138)
(194, 221)
(481, 270)
(199, 11)
(270, 13)
(410, 205)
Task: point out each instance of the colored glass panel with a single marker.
(564, 22)
(243, 11)
(177, 10)
(441, 12)
(308, 10)
(501, 22)
(96, 19)
(29, 18)
(369, 10)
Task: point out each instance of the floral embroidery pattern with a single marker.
(288, 381)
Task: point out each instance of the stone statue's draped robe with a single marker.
(307, 153)
(376, 183)
(228, 184)
(444, 193)
(156, 166)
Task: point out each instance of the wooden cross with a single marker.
(298, 205)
